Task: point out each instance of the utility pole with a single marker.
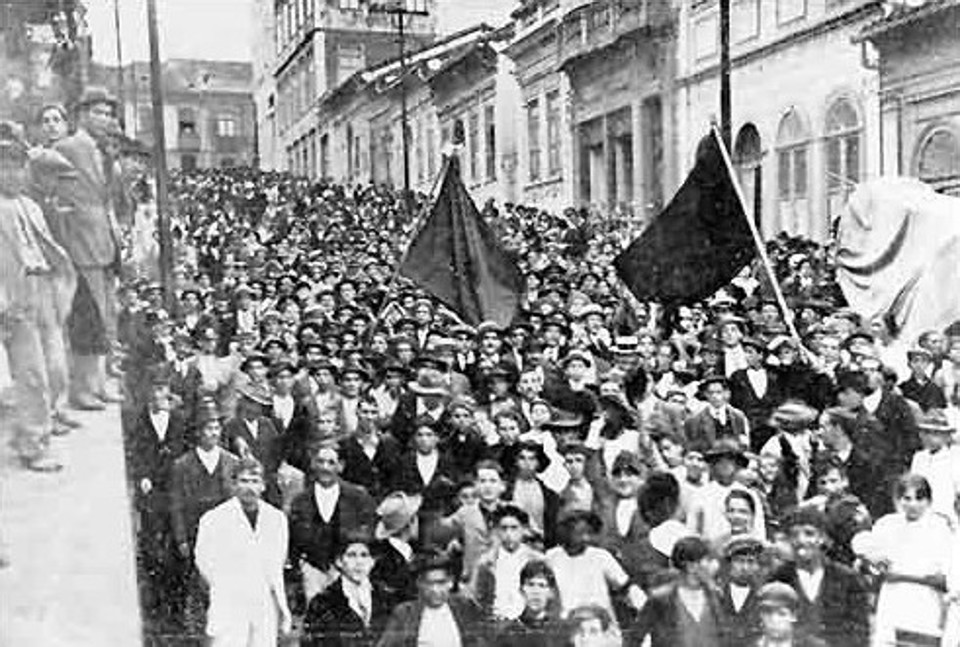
(726, 128)
(120, 93)
(160, 156)
(401, 10)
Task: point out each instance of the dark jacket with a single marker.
(660, 618)
(756, 408)
(901, 429)
(841, 613)
(297, 436)
(743, 626)
(376, 474)
(317, 542)
(194, 491)
(267, 448)
(393, 574)
(527, 631)
(331, 622)
(701, 430)
(927, 394)
(551, 511)
(148, 457)
(404, 625)
(626, 549)
(438, 493)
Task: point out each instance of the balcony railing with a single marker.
(596, 25)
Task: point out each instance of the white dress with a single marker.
(922, 547)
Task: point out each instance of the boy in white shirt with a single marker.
(939, 463)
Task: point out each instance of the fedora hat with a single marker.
(793, 414)
(255, 394)
(428, 387)
(626, 345)
(395, 513)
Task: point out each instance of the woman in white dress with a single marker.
(912, 550)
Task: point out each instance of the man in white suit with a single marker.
(241, 549)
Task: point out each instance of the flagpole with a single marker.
(758, 241)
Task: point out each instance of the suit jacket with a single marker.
(243, 567)
(317, 542)
(17, 292)
(267, 448)
(756, 408)
(901, 429)
(841, 613)
(297, 436)
(626, 549)
(393, 574)
(87, 227)
(928, 395)
(660, 619)
(402, 423)
(148, 457)
(743, 625)
(330, 621)
(376, 474)
(404, 625)
(701, 430)
(194, 491)
(438, 493)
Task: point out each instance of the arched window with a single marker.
(793, 141)
(748, 156)
(939, 161)
(843, 148)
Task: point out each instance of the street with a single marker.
(71, 578)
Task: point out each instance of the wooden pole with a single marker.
(726, 127)
(758, 241)
(160, 156)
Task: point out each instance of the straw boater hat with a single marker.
(395, 513)
(935, 421)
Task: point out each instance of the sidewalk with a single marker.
(72, 577)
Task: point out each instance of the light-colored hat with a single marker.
(395, 513)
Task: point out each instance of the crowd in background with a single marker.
(317, 448)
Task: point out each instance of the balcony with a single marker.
(593, 26)
(188, 141)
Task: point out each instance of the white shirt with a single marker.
(438, 628)
(507, 600)
(942, 471)
(160, 421)
(402, 547)
(758, 380)
(810, 583)
(586, 578)
(209, 458)
(625, 509)
(872, 402)
(427, 466)
(253, 427)
(720, 415)
(326, 499)
(359, 597)
(738, 595)
(283, 406)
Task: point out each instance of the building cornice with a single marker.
(788, 40)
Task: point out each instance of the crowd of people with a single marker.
(320, 451)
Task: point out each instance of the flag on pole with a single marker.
(698, 243)
(456, 257)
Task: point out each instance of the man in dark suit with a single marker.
(201, 480)
(426, 398)
(834, 603)
(893, 412)
(437, 617)
(320, 515)
(377, 472)
(295, 418)
(919, 387)
(155, 439)
(738, 583)
(528, 492)
(426, 471)
(87, 228)
(252, 434)
(353, 611)
(754, 391)
(718, 419)
(623, 526)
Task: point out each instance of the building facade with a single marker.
(263, 52)
(320, 44)
(918, 58)
(208, 110)
(805, 107)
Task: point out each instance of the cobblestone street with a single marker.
(71, 579)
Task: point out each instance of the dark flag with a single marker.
(456, 257)
(698, 243)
